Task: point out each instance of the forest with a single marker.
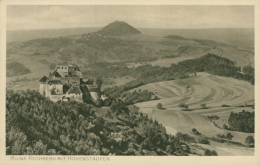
(37, 126)
(243, 121)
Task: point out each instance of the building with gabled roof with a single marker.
(74, 93)
(43, 79)
(65, 84)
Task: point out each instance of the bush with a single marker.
(249, 140)
(221, 136)
(203, 140)
(183, 106)
(207, 152)
(214, 117)
(224, 105)
(194, 130)
(210, 153)
(203, 106)
(229, 136)
(159, 106)
(225, 126)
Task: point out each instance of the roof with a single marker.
(54, 82)
(62, 74)
(74, 89)
(57, 74)
(43, 79)
(53, 92)
(93, 90)
(65, 88)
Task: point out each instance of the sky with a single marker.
(166, 17)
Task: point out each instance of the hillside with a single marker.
(37, 126)
(15, 69)
(118, 28)
(211, 90)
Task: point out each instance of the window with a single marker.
(65, 68)
(61, 67)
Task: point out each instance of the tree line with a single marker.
(243, 121)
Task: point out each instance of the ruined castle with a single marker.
(66, 84)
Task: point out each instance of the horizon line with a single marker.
(137, 28)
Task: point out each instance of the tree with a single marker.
(214, 153)
(225, 126)
(159, 106)
(194, 130)
(229, 136)
(203, 140)
(183, 106)
(188, 87)
(203, 106)
(207, 152)
(249, 140)
(210, 153)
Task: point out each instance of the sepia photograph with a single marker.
(93, 82)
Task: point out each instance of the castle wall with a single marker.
(56, 98)
(76, 97)
(47, 91)
(62, 68)
(58, 88)
(42, 88)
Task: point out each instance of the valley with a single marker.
(141, 67)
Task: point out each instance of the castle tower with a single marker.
(43, 81)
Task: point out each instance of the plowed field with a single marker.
(204, 88)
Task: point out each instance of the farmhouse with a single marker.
(66, 84)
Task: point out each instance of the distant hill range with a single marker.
(24, 35)
(120, 42)
(175, 37)
(118, 28)
(242, 37)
